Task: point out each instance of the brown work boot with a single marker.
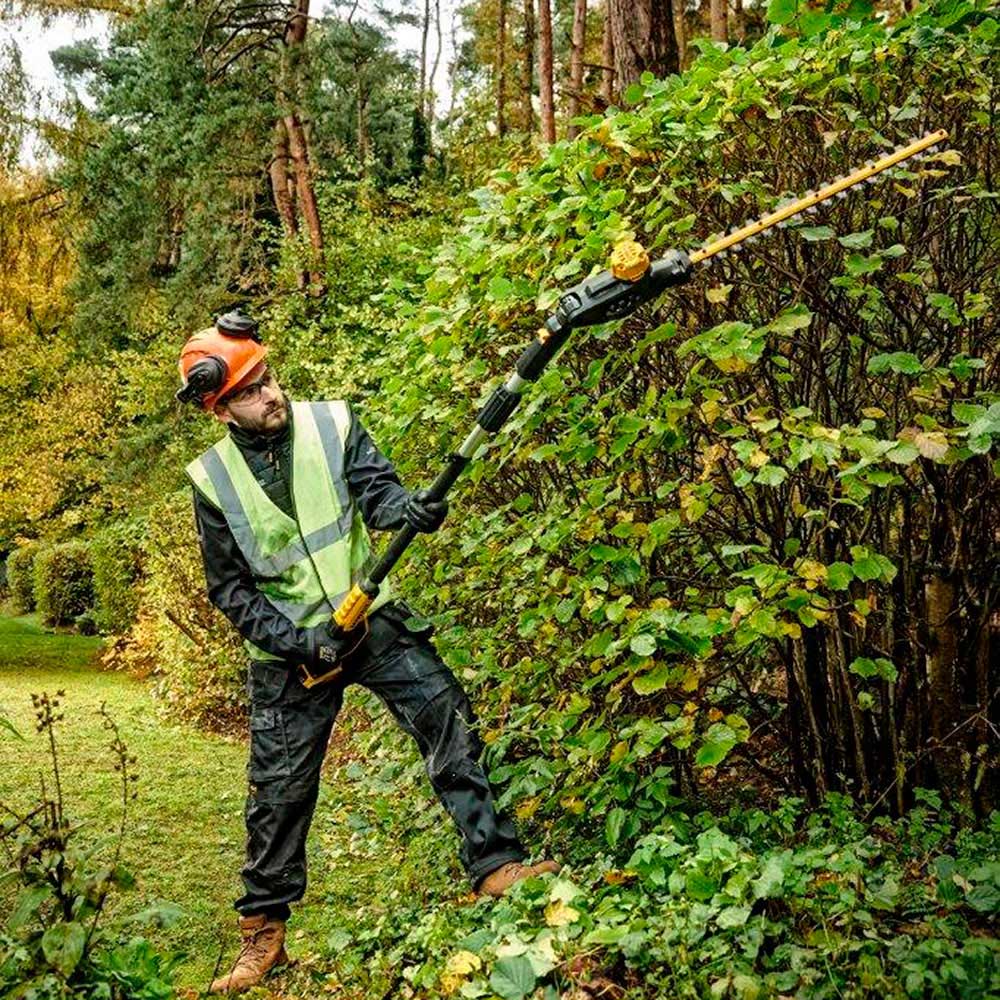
(498, 882)
(263, 948)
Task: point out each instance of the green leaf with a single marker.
(771, 475)
(512, 977)
(839, 576)
(700, 886)
(856, 241)
(733, 916)
(643, 644)
(868, 565)
(865, 667)
(782, 11)
(712, 753)
(899, 361)
(634, 93)
(792, 319)
(27, 905)
(500, 288)
(813, 234)
(613, 824)
(62, 945)
(903, 454)
(6, 724)
(653, 680)
(772, 876)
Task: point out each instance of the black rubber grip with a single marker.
(497, 409)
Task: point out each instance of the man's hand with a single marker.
(423, 514)
(324, 650)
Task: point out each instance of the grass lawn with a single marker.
(184, 842)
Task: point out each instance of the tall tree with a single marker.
(579, 39)
(425, 26)
(501, 68)
(719, 10)
(607, 57)
(528, 65)
(545, 95)
(429, 112)
(643, 38)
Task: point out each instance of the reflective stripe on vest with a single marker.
(306, 565)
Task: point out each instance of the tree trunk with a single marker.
(741, 21)
(944, 683)
(501, 68)
(278, 171)
(719, 10)
(576, 64)
(425, 28)
(528, 66)
(607, 58)
(299, 151)
(434, 68)
(545, 71)
(643, 37)
(298, 144)
(680, 32)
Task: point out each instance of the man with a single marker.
(281, 504)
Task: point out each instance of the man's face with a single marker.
(258, 405)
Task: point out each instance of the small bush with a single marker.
(63, 582)
(115, 556)
(20, 577)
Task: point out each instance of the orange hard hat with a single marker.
(213, 363)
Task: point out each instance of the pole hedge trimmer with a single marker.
(613, 294)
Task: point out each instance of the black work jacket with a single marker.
(373, 484)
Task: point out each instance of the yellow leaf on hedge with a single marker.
(719, 294)
(528, 808)
(792, 628)
(457, 969)
(809, 569)
(559, 914)
(691, 680)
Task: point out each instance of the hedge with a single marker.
(63, 582)
(116, 559)
(20, 577)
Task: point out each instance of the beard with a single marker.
(272, 420)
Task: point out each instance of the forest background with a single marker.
(724, 591)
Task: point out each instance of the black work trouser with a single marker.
(289, 730)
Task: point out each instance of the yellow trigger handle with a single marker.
(352, 609)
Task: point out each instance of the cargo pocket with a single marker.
(411, 625)
(268, 746)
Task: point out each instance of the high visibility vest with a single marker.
(304, 565)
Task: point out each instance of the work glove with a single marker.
(424, 514)
(324, 650)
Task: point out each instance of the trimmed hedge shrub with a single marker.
(20, 577)
(63, 582)
(115, 555)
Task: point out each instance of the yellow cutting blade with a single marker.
(794, 208)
